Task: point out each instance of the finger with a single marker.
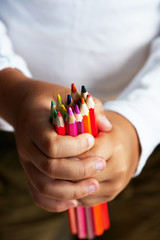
(107, 192)
(56, 146)
(103, 123)
(99, 149)
(48, 204)
(66, 168)
(58, 189)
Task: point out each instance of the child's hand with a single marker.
(120, 148)
(49, 160)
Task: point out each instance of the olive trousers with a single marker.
(134, 214)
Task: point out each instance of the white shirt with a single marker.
(110, 46)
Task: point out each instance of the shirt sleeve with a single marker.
(9, 59)
(7, 56)
(140, 104)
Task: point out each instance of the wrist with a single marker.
(127, 134)
(10, 98)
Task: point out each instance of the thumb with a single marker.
(103, 123)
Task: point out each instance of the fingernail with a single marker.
(91, 188)
(105, 121)
(100, 165)
(90, 141)
(72, 204)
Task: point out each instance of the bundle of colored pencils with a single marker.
(78, 116)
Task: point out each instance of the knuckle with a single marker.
(49, 147)
(75, 194)
(42, 188)
(50, 167)
(82, 172)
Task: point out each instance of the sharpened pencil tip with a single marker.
(76, 109)
(59, 114)
(73, 88)
(59, 99)
(69, 99)
(69, 111)
(82, 100)
(83, 89)
(52, 104)
(55, 113)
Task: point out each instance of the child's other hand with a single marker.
(121, 150)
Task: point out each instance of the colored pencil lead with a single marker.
(59, 102)
(74, 93)
(84, 92)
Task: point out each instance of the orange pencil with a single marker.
(86, 118)
(72, 220)
(98, 220)
(74, 93)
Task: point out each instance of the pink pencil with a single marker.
(87, 210)
(72, 126)
(80, 212)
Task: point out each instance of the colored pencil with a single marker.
(59, 102)
(94, 128)
(53, 107)
(98, 222)
(84, 92)
(72, 131)
(74, 93)
(72, 220)
(69, 102)
(89, 222)
(105, 216)
(63, 110)
(80, 212)
(79, 120)
(91, 106)
(59, 124)
(72, 126)
(54, 116)
(86, 118)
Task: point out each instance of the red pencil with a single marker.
(91, 106)
(59, 124)
(105, 216)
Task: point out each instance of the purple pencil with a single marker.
(79, 120)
